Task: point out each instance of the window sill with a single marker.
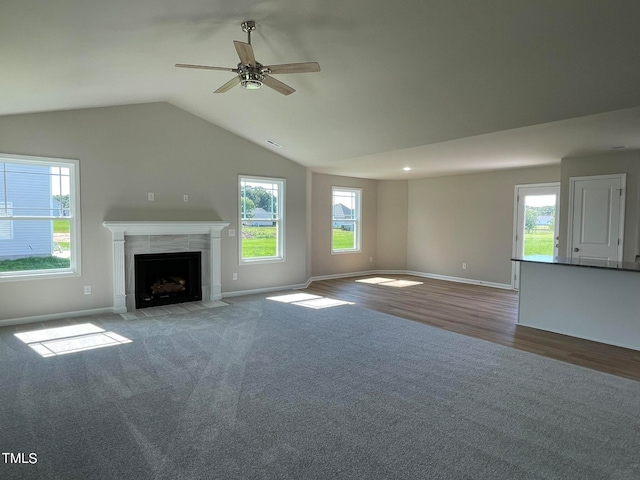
(11, 277)
(257, 261)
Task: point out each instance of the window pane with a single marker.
(345, 219)
(32, 188)
(344, 237)
(36, 245)
(36, 188)
(260, 211)
(259, 241)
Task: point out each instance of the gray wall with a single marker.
(605, 163)
(393, 210)
(323, 262)
(127, 151)
(466, 219)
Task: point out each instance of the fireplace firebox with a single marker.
(167, 278)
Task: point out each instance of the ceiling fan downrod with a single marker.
(248, 27)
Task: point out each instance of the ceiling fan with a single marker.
(251, 73)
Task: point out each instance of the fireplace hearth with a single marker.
(167, 278)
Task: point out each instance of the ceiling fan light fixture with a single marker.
(251, 80)
(251, 84)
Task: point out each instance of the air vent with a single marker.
(274, 144)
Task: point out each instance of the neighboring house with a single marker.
(28, 193)
(544, 221)
(260, 218)
(340, 212)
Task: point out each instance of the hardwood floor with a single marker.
(482, 312)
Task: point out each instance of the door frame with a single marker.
(515, 266)
(623, 201)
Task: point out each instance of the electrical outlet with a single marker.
(232, 232)
(87, 289)
(185, 198)
(235, 276)
(370, 259)
(464, 266)
(151, 196)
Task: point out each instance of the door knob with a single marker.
(576, 249)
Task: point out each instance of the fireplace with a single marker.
(166, 278)
(132, 237)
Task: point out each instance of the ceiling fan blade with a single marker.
(229, 85)
(206, 67)
(277, 85)
(245, 52)
(308, 67)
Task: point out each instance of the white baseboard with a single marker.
(240, 293)
(54, 316)
(99, 311)
(503, 286)
(338, 275)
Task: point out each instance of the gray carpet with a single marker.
(261, 389)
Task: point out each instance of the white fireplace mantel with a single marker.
(120, 229)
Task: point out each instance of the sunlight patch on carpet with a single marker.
(70, 339)
(294, 297)
(308, 300)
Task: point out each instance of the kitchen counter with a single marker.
(624, 266)
(594, 300)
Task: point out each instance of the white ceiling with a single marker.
(443, 86)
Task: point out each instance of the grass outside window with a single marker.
(58, 259)
(539, 243)
(259, 242)
(343, 239)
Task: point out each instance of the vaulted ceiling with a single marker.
(442, 86)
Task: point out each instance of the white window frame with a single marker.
(279, 220)
(357, 219)
(74, 268)
(6, 226)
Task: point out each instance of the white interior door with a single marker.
(535, 223)
(597, 217)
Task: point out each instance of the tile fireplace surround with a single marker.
(135, 237)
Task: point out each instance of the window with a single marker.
(40, 197)
(261, 219)
(345, 220)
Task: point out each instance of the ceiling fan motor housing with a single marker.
(251, 77)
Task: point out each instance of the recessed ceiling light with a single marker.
(274, 144)
(406, 169)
